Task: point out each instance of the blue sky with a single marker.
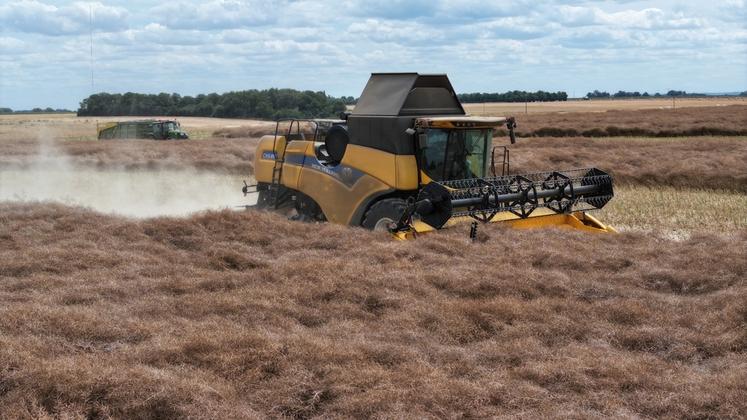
(222, 45)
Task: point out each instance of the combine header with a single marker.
(408, 160)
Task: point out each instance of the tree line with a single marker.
(513, 96)
(47, 110)
(623, 94)
(283, 103)
(266, 104)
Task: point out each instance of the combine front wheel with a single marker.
(383, 214)
(282, 199)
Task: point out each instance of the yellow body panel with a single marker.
(398, 171)
(264, 157)
(377, 163)
(337, 199)
(407, 172)
(339, 190)
(292, 173)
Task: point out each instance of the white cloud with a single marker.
(517, 28)
(218, 45)
(10, 45)
(483, 10)
(650, 18)
(216, 14)
(734, 11)
(388, 31)
(389, 9)
(32, 16)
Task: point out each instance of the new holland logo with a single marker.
(268, 155)
(346, 174)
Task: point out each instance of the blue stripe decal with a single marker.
(343, 173)
(295, 159)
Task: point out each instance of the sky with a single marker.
(333, 46)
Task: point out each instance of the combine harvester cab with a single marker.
(409, 160)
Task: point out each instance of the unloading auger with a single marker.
(409, 160)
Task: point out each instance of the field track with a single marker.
(244, 314)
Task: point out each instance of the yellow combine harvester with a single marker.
(409, 160)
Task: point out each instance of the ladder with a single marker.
(275, 187)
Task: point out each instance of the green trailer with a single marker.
(142, 129)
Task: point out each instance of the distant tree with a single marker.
(623, 94)
(597, 95)
(743, 93)
(349, 100)
(513, 96)
(685, 94)
(37, 110)
(204, 108)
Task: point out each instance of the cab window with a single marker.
(456, 154)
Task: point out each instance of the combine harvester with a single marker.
(409, 160)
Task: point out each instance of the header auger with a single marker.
(409, 160)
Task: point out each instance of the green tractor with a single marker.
(144, 129)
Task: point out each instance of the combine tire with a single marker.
(384, 213)
(284, 199)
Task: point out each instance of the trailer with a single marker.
(141, 129)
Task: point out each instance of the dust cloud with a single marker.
(136, 193)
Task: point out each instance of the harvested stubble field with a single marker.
(219, 155)
(693, 162)
(70, 127)
(598, 105)
(719, 121)
(728, 120)
(675, 212)
(245, 314)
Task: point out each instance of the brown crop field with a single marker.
(247, 315)
(244, 314)
(598, 105)
(691, 162)
(721, 121)
(726, 120)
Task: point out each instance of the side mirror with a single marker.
(511, 125)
